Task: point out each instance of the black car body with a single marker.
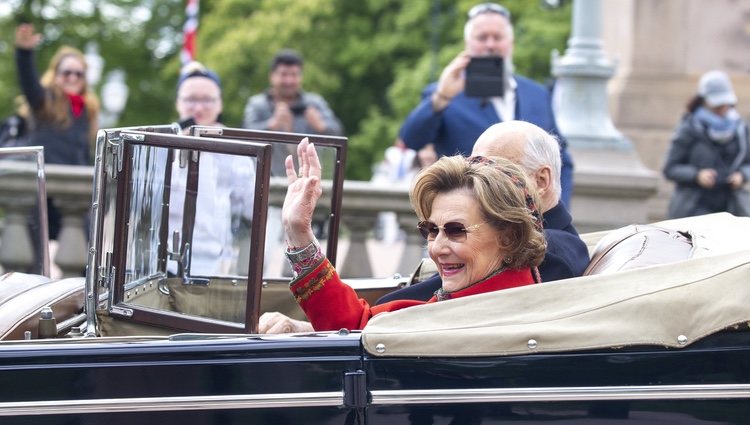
(665, 344)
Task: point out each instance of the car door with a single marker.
(182, 379)
(667, 344)
(704, 384)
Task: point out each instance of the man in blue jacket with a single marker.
(537, 153)
(452, 121)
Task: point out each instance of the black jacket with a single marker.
(692, 150)
(68, 146)
(567, 256)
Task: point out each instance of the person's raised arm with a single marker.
(422, 125)
(451, 82)
(26, 41)
(304, 190)
(26, 38)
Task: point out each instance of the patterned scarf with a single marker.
(530, 204)
(720, 129)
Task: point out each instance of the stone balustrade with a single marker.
(70, 187)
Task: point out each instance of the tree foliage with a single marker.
(141, 38)
(370, 59)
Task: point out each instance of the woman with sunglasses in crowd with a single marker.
(481, 224)
(60, 110)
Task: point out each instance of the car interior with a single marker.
(141, 280)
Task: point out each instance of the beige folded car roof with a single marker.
(671, 305)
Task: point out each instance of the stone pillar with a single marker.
(357, 260)
(611, 183)
(71, 256)
(414, 246)
(70, 188)
(16, 247)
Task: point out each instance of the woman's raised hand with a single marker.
(26, 38)
(302, 195)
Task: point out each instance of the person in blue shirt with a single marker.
(452, 121)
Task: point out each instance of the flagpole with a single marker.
(189, 32)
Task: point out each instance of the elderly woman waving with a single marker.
(481, 224)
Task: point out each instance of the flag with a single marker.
(189, 32)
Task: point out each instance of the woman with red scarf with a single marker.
(60, 110)
(481, 224)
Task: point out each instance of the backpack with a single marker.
(13, 132)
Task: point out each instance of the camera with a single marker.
(298, 108)
(484, 77)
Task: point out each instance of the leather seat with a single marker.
(637, 246)
(22, 296)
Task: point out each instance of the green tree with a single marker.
(140, 38)
(369, 58)
(438, 36)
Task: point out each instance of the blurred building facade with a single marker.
(660, 49)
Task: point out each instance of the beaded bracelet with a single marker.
(303, 259)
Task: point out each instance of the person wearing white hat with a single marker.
(709, 158)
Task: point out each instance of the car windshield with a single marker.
(24, 210)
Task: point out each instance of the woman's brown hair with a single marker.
(501, 190)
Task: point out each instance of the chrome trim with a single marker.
(162, 404)
(97, 215)
(43, 213)
(379, 398)
(650, 392)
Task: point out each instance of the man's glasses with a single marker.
(198, 101)
(68, 72)
(488, 7)
(455, 231)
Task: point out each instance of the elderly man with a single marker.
(538, 154)
(451, 120)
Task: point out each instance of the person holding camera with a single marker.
(451, 115)
(286, 107)
(709, 158)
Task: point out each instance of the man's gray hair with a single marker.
(543, 149)
(468, 26)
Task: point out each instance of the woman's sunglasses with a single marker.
(455, 231)
(67, 73)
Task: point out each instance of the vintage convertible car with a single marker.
(655, 333)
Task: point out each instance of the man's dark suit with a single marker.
(455, 129)
(567, 256)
